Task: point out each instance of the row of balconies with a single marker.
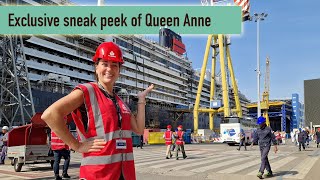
(60, 48)
(155, 65)
(151, 80)
(57, 59)
(156, 74)
(57, 70)
(167, 100)
(143, 86)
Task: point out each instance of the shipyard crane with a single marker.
(265, 95)
(219, 45)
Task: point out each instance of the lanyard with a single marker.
(115, 103)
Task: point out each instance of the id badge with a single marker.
(121, 144)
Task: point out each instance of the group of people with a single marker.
(302, 137)
(174, 141)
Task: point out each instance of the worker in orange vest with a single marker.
(168, 136)
(60, 149)
(104, 122)
(180, 142)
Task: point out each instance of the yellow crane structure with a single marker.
(219, 45)
(265, 96)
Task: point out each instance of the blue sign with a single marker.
(230, 132)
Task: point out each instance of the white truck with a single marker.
(230, 133)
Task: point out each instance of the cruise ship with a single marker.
(57, 63)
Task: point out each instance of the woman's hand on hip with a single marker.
(91, 146)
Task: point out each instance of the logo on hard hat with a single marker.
(111, 54)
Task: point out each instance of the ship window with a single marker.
(136, 49)
(39, 61)
(70, 39)
(61, 66)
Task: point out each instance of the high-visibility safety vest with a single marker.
(168, 137)
(180, 138)
(102, 115)
(57, 143)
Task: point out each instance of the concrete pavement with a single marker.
(205, 161)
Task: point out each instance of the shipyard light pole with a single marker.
(257, 18)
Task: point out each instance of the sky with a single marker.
(289, 36)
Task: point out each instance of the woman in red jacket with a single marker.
(104, 123)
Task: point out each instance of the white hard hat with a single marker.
(5, 127)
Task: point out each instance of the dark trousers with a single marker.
(58, 154)
(243, 142)
(264, 150)
(303, 146)
(141, 142)
(3, 154)
(182, 150)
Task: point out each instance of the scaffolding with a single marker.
(15, 93)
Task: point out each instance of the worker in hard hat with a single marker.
(104, 122)
(264, 136)
(168, 136)
(302, 138)
(4, 140)
(180, 142)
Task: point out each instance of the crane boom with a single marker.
(265, 96)
(267, 78)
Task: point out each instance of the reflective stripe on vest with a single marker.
(168, 136)
(108, 159)
(113, 135)
(96, 112)
(101, 110)
(57, 143)
(180, 139)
